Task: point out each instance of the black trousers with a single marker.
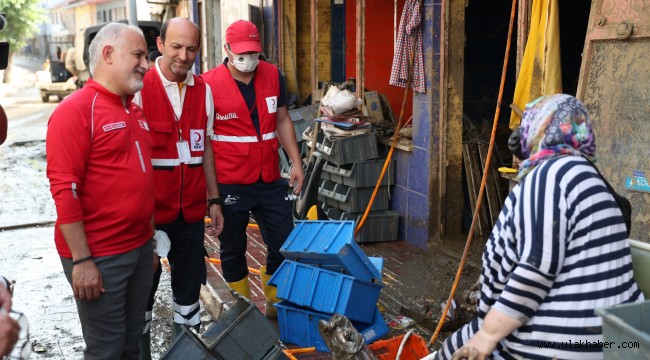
(188, 271)
(271, 207)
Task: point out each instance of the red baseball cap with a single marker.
(242, 36)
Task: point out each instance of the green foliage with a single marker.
(23, 18)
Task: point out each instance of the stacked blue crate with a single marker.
(326, 272)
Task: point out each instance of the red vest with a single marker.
(241, 157)
(177, 186)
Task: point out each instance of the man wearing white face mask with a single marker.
(250, 120)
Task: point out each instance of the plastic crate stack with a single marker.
(348, 180)
(326, 272)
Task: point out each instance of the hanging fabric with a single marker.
(541, 71)
(409, 38)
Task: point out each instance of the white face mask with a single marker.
(245, 63)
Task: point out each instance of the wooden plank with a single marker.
(471, 184)
(491, 190)
(478, 176)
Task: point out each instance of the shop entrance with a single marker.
(485, 33)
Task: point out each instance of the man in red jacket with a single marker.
(178, 106)
(251, 119)
(98, 150)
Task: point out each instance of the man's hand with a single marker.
(9, 331)
(296, 178)
(87, 281)
(5, 299)
(217, 220)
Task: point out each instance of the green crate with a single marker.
(630, 324)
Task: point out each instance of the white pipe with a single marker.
(430, 356)
(401, 346)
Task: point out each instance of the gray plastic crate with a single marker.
(299, 126)
(275, 354)
(230, 337)
(379, 225)
(285, 163)
(360, 173)
(629, 324)
(307, 113)
(347, 150)
(350, 199)
(187, 346)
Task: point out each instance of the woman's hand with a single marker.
(479, 347)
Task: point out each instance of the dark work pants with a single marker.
(271, 207)
(112, 324)
(187, 263)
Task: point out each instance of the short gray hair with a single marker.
(108, 35)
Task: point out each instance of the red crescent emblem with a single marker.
(197, 138)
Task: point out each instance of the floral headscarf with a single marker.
(553, 126)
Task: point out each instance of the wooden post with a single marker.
(314, 75)
(280, 23)
(361, 39)
(314, 46)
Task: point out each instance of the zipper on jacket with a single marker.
(180, 164)
(137, 146)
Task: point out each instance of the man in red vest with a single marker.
(178, 106)
(251, 119)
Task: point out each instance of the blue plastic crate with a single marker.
(329, 244)
(326, 291)
(378, 262)
(299, 326)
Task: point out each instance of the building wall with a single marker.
(415, 195)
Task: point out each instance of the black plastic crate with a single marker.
(187, 346)
(242, 332)
(347, 150)
(360, 174)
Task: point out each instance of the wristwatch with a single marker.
(215, 201)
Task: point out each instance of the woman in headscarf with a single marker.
(558, 251)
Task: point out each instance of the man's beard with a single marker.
(135, 84)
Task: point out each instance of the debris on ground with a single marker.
(344, 340)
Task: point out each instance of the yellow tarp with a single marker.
(541, 71)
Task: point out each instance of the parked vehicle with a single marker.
(63, 78)
(57, 81)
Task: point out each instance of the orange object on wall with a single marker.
(380, 43)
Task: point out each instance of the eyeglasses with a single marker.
(23, 348)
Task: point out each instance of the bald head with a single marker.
(179, 43)
(180, 24)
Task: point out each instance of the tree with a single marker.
(23, 17)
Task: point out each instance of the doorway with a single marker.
(486, 30)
